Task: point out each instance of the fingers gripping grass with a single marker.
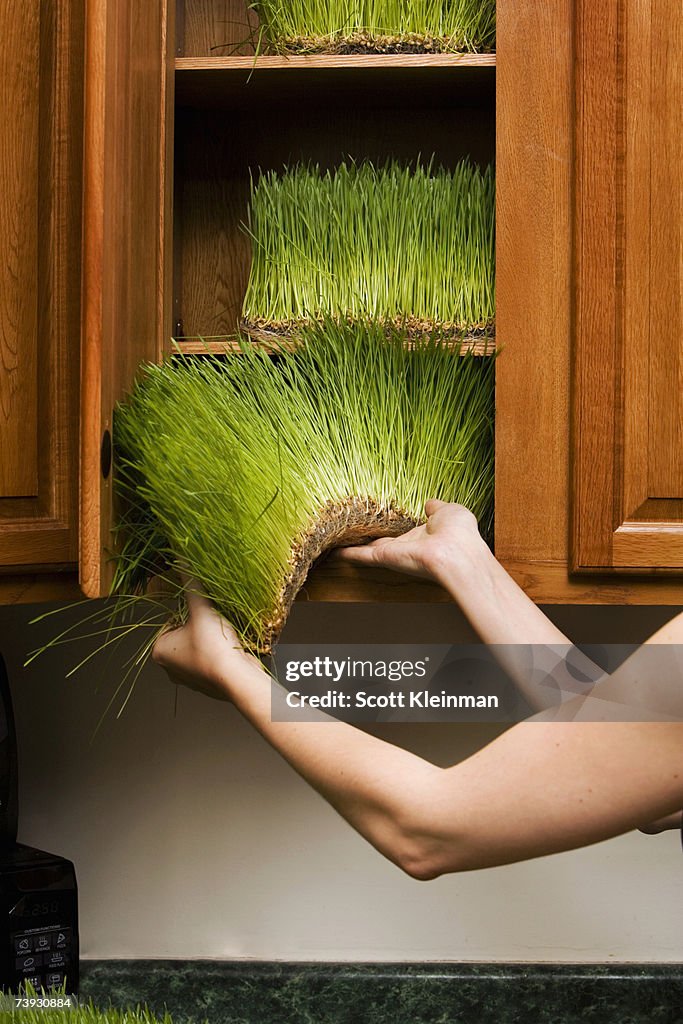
(358, 241)
(246, 470)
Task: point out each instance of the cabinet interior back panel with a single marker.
(222, 28)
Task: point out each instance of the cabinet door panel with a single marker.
(665, 413)
(40, 225)
(533, 298)
(19, 110)
(628, 344)
(126, 315)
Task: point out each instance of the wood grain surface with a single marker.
(533, 252)
(216, 27)
(321, 61)
(127, 192)
(665, 124)
(42, 69)
(19, 172)
(40, 587)
(260, 339)
(595, 350)
(628, 348)
(337, 581)
(545, 582)
(548, 582)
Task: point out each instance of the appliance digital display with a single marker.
(32, 908)
(41, 909)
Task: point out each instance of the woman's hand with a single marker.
(198, 653)
(429, 551)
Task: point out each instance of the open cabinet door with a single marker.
(41, 69)
(628, 347)
(127, 189)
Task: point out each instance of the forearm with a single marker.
(449, 548)
(383, 791)
(494, 604)
(521, 637)
(645, 688)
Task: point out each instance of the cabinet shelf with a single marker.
(479, 346)
(403, 107)
(319, 61)
(228, 82)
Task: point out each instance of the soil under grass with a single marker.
(479, 336)
(353, 521)
(362, 43)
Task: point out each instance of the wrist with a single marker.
(461, 563)
(234, 669)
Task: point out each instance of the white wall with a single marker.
(192, 838)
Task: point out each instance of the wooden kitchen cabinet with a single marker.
(628, 369)
(589, 414)
(580, 112)
(127, 196)
(41, 69)
(580, 109)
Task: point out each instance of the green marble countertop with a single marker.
(250, 992)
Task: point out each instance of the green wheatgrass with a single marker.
(421, 25)
(361, 241)
(239, 469)
(83, 1013)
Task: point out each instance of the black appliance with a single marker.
(38, 893)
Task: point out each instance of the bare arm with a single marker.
(450, 549)
(540, 788)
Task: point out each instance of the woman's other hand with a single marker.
(197, 653)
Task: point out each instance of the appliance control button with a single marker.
(61, 938)
(35, 979)
(23, 944)
(28, 963)
(54, 979)
(56, 960)
(41, 942)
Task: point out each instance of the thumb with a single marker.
(433, 505)
(194, 593)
